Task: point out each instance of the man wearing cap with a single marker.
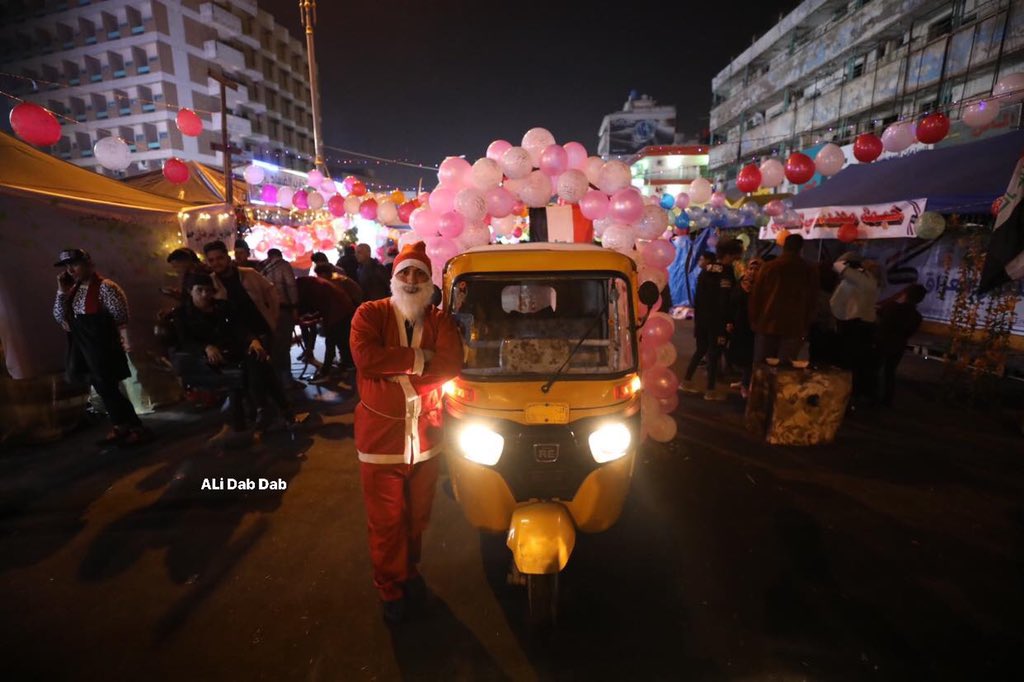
(94, 312)
(404, 349)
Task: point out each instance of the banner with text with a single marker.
(873, 221)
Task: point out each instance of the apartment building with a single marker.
(125, 68)
(832, 69)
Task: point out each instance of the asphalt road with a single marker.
(895, 553)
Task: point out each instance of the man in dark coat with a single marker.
(783, 303)
(712, 314)
(348, 262)
(373, 277)
(93, 311)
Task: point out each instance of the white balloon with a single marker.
(699, 191)
(352, 204)
(1010, 88)
(572, 185)
(471, 203)
(516, 163)
(665, 355)
(652, 223)
(592, 168)
(829, 160)
(387, 212)
(536, 192)
(253, 174)
(113, 153)
(662, 428)
(284, 197)
(772, 174)
(618, 237)
(473, 236)
(485, 174)
(899, 136)
(504, 226)
(534, 142)
(614, 176)
(315, 200)
(979, 114)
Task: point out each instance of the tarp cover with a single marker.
(205, 185)
(964, 178)
(47, 204)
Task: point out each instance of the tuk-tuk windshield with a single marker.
(514, 325)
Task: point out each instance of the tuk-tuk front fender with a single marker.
(541, 536)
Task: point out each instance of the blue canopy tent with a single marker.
(682, 274)
(964, 178)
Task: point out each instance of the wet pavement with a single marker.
(895, 553)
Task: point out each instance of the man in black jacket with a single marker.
(712, 313)
(217, 350)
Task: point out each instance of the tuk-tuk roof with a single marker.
(541, 257)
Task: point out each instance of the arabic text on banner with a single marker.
(873, 221)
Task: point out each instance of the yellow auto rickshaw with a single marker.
(543, 422)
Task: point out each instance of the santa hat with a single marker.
(412, 256)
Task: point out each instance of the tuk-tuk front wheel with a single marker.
(542, 594)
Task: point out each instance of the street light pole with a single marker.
(308, 10)
(225, 142)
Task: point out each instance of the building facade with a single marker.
(668, 169)
(125, 68)
(833, 69)
(641, 123)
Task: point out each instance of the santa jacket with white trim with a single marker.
(400, 393)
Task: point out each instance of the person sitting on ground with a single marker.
(898, 320)
(212, 337)
(712, 313)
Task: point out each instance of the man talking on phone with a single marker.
(93, 310)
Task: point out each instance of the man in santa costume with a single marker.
(404, 350)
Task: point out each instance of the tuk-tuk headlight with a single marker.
(610, 442)
(481, 445)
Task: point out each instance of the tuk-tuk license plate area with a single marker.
(547, 413)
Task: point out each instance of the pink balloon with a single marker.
(497, 149)
(627, 205)
(440, 250)
(424, 222)
(368, 209)
(451, 225)
(470, 202)
(336, 205)
(572, 186)
(268, 194)
(453, 171)
(659, 381)
(554, 160)
(717, 199)
(314, 178)
(657, 331)
(774, 208)
(592, 167)
(668, 405)
(659, 254)
(300, 200)
(682, 200)
(499, 201)
(594, 205)
(648, 354)
(442, 200)
(576, 155)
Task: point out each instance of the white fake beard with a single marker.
(411, 299)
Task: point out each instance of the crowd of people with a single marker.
(780, 304)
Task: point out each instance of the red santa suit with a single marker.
(396, 424)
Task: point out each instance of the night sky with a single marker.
(435, 78)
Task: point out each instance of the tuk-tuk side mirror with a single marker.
(648, 295)
(435, 300)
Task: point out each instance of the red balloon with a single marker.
(997, 205)
(368, 209)
(358, 188)
(336, 205)
(348, 183)
(848, 233)
(932, 128)
(799, 168)
(34, 124)
(189, 123)
(867, 147)
(749, 178)
(405, 210)
(175, 171)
